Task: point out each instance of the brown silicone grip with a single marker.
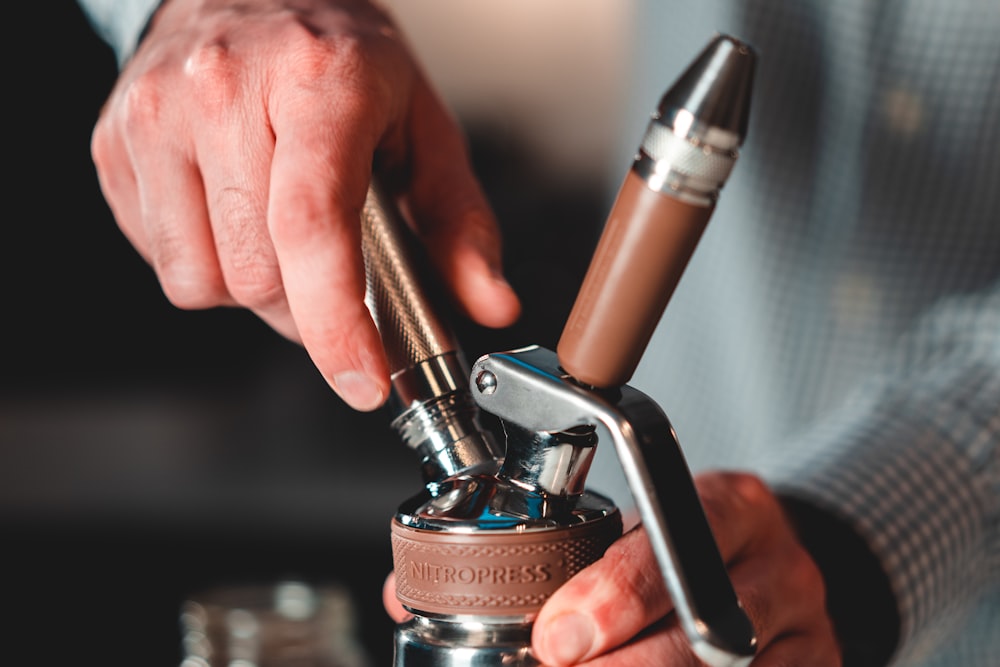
(493, 574)
(642, 252)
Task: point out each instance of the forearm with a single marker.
(910, 465)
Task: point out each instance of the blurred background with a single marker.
(147, 453)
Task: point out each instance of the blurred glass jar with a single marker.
(285, 624)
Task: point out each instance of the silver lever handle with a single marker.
(527, 387)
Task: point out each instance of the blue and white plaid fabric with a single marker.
(838, 329)
(120, 22)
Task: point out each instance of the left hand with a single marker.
(617, 611)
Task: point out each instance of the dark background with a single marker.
(147, 453)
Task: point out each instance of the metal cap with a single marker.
(692, 141)
(715, 88)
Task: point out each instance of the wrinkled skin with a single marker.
(621, 616)
(235, 152)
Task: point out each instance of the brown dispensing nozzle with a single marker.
(492, 535)
(661, 210)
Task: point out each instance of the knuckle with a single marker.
(313, 57)
(728, 495)
(752, 490)
(238, 207)
(312, 52)
(636, 583)
(621, 571)
(110, 162)
(356, 61)
(297, 221)
(186, 291)
(102, 144)
(255, 282)
(251, 270)
(333, 346)
(187, 296)
(143, 99)
(185, 283)
(213, 71)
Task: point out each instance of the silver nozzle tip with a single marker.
(694, 136)
(715, 88)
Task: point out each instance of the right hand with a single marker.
(617, 612)
(235, 152)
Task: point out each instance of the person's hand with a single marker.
(235, 152)
(617, 612)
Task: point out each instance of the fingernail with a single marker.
(484, 244)
(500, 280)
(568, 638)
(495, 268)
(358, 390)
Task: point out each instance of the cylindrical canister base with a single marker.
(475, 594)
(505, 573)
(424, 642)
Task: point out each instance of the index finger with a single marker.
(319, 179)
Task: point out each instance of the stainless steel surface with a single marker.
(423, 642)
(554, 465)
(693, 138)
(434, 414)
(491, 505)
(528, 388)
(551, 425)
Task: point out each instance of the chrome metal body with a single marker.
(537, 486)
(538, 490)
(437, 642)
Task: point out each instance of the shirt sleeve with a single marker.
(912, 463)
(119, 23)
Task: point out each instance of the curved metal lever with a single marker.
(528, 388)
